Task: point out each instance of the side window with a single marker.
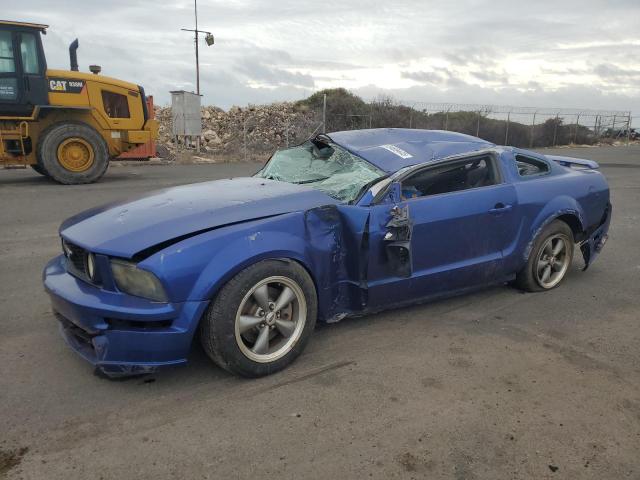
(7, 63)
(115, 104)
(29, 52)
(451, 177)
(528, 166)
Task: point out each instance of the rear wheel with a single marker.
(73, 153)
(549, 260)
(261, 320)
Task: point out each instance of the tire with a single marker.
(547, 255)
(38, 169)
(60, 144)
(233, 341)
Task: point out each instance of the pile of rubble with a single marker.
(242, 133)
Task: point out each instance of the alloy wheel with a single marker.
(270, 319)
(553, 261)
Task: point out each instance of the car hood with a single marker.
(126, 228)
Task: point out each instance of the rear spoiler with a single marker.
(574, 162)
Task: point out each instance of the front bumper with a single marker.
(118, 333)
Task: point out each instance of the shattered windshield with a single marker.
(324, 166)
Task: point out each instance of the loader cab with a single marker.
(23, 67)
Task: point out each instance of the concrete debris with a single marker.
(250, 133)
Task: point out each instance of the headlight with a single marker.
(91, 266)
(134, 281)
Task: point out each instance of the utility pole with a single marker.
(208, 39)
(195, 8)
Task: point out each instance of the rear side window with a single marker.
(451, 177)
(29, 52)
(528, 166)
(115, 105)
(7, 63)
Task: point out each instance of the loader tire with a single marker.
(38, 169)
(72, 153)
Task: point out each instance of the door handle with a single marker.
(500, 208)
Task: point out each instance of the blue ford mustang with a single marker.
(344, 224)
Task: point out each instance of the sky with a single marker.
(560, 53)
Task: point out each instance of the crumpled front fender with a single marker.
(594, 243)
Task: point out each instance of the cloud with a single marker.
(569, 53)
(257, 72)
(424, 77)
(614, 72)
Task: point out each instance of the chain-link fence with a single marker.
(255, 132)
(505, 125)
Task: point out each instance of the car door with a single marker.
(33, 68)
(11, 89)
(443, 229)
(22, 72)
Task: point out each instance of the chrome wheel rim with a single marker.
(270, 319)
(553, 261)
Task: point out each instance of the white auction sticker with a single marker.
(397, 151)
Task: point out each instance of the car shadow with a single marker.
(201, 369)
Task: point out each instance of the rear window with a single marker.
(528, 166)
(115, 105)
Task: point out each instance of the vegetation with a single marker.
(346, 111)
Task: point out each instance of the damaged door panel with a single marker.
(337, 248)
(398, 241)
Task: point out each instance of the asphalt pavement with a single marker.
(494, 385)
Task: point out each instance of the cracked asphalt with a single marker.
(493, 385)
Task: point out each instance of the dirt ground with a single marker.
(494, 385)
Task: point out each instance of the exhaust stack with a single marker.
(73, 55)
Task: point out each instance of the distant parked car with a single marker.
(624, 133)
(346, 223)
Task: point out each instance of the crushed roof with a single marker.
(391, 149)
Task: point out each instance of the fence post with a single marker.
(324, 113)
(478, 126)
(506, 133)
(613, 127)
(370, 114)
(446, 119)
(244, 135)
(533, 127)
(628, 129)
(286, 133)
(575, 134)
(555, 131)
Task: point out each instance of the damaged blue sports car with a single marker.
(345, 224)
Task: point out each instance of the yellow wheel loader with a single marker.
(65, 124)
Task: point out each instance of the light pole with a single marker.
(208, 39)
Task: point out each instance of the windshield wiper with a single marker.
(311, 181)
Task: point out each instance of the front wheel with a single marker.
(38, 169)
(549, 260)
(262, 319)
(72, 153)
